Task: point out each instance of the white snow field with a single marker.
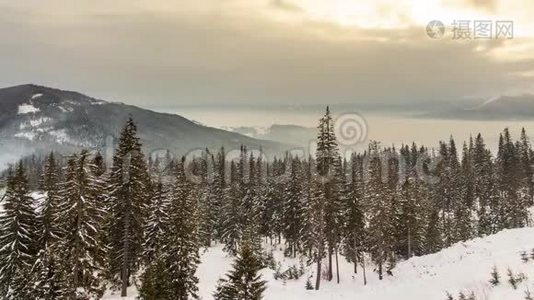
(27, 109)
(463, 267)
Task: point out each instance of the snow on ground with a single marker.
(27, 108)
(37, 96)
(462, 267)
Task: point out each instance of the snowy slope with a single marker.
(462, 267)
(38, 119)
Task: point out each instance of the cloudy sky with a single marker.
(183, 52)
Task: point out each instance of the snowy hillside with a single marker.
(38, 119)
(463, 267)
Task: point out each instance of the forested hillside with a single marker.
(145, 222)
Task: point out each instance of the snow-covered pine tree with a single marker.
(328, 164)
(447, 191)
(210, 198)
(181, 249)
(249, 190)
(18, 242)
(455, 194)
(157, 224)
(47, 213)
(526, 190)
(217, 188)
(154, 281)
(513, 210)
(231, 227)
(463, 213)
(411, 218)
(354, 226)
(128, 199)
(293, 210)
(243, 282)
(45, 282)
(81, 217)
(482, 184)
(379, 198)
(314, 232)
(271, 203)
(46, 277)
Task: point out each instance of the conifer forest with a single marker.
(77, 226)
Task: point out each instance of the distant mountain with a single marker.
(286, 134)
(39, 119)
(498, 108)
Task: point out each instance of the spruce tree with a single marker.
(231, 227)
(81, 217)
(243, 282)
(47, 281)
(328, 168)
(463, 211)
(293, 210)
(128, 199)
(181, 249)
(380, 213)
(482, 184)
(354, 226)
(157, 224)
(513, 210)
(18, 242)
(154, 281)
(46, 274)
(315, 237)
(50, 185)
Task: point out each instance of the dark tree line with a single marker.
(104, 226)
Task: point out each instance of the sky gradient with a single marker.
(188, 52)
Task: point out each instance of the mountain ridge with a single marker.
(36, 118)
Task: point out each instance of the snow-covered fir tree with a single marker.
(314, 235)
(49, 208)
(128, 198)
(243, 282)
(354, 226)
(18, 242)
(181, 250)
(293, 208)
(81, 218)
(328, 168)
(157, 224)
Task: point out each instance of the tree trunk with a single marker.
(337, 267)
(380, 277)
(76, 269)
(409, 242)
(330, 273)
(318, 276)
(363, 269)
(355, 257)
(126, 257)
